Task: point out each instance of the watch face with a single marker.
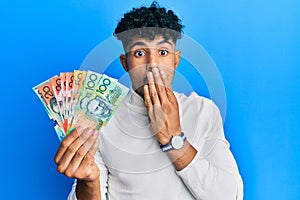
(177, 142)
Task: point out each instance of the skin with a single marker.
(75, 159)
(151, 65)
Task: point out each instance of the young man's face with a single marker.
(142, 55)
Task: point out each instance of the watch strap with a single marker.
(168, 147)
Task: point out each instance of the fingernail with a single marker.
(163, 74)
(155, 70)
(149, 74)
(79, 129)
(89, 131)
(95, 132)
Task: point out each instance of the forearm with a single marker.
(214, 176)
(88, 190)
(182, 157)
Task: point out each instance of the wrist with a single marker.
(92, 176)
(88, 189)
(182, 157)
(166, 138)
(175, 143)
(90, 182)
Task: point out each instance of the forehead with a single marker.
(158, 41)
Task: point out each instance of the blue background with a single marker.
(255, 45)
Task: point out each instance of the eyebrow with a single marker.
(144, 44)
(137, 44)
(165, 41)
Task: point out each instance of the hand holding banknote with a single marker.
(75, 155)
(75, 159)
(81, 104)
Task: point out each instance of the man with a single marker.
(159, 144)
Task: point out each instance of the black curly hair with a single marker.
(148, 22)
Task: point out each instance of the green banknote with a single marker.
(99, 107)
(81, 115)
(108, 95)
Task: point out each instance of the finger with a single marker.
(86, 147)
(147, 98)
(90, 156)
(152, 89)
(160, 119)
(95, 147)
(148, 102)
(167, 83)
(65, 160)
(66, 143)
(86, 169)
(160, 86)
(83, 151)
(169, 92)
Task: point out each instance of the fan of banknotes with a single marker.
(80, 98)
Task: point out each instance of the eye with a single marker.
(139, 53)
(163, 52)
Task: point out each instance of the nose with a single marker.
(151, 60)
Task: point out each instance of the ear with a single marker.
(123, 61)
(177, 58)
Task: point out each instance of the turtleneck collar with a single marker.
(135, 102)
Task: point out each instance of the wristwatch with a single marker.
(177, 142)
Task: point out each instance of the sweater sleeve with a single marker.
(103, 179)
(213, 173)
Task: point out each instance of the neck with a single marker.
(139, 91)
